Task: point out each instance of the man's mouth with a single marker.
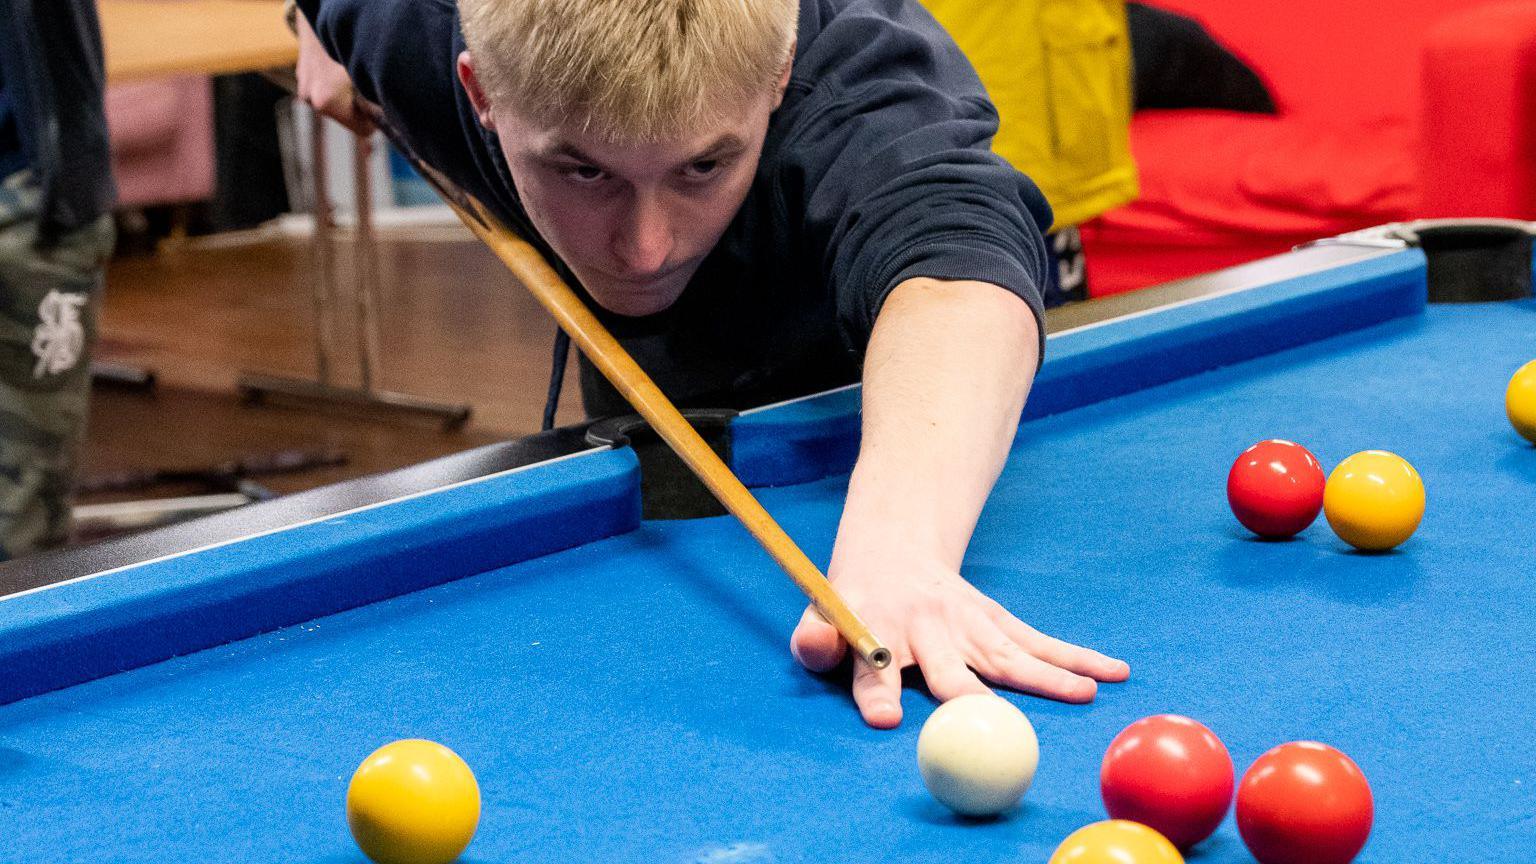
(633, 284)
(639, 283)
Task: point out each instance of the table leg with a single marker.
(256, 388)
(365, 257)
(322, 250)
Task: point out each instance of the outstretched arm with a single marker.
(945, 377)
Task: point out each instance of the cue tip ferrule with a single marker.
(874, 653)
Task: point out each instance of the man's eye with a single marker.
(702, 168)
(582, 173)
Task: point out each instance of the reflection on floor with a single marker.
(454, 326)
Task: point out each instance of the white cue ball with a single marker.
(978, 754)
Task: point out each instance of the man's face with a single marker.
(633, 221)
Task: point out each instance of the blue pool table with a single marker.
(622, 687)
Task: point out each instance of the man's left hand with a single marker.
(932, 618)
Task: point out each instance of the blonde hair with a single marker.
(629, 70)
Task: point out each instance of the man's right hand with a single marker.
(324, 85)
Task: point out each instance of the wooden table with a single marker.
(145, 39)
(154, 38)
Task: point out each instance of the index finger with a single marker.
(877, 692)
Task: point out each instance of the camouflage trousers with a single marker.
(50, 297)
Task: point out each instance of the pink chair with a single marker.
(162, 140)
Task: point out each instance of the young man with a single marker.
(764, 198)
(55, 233)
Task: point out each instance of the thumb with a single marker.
(816, 644)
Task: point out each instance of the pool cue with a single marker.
(644, 396)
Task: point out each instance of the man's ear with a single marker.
(789, 66)
(471, 84)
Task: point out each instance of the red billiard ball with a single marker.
(1276, 488)
(1304, 803)
(1169, 773)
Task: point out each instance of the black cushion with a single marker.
(1178, 64)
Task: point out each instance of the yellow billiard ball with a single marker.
(1520, 401)
(1374, 500)
(413, 802)
(1116, 841)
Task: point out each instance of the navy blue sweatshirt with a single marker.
(876, 169)
(12, 159)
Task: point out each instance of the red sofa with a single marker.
(1388, 111)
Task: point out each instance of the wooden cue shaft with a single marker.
(609, 356)
(624, 373)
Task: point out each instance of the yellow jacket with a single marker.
(1059, 72)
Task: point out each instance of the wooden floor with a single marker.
(454, 326)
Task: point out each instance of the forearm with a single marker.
(945, 378)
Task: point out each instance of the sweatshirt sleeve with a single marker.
(888, 164)
(402, 56)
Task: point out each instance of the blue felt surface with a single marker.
(78, 631)
(814, 438)
(632, 699)
(1095, 363)
(151, 612)
(798, 442)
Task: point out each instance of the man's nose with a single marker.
(643, 241)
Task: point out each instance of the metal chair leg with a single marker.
(256, 388)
